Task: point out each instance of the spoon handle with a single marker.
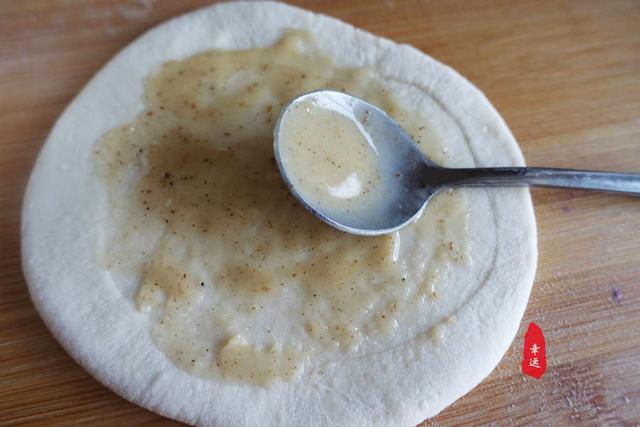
(546, 177)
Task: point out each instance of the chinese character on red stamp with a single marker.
(534, 361)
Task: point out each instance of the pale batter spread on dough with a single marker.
(244, 283)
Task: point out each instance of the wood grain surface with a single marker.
(564, 74)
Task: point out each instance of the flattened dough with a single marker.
(102, 330)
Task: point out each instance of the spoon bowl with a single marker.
(398, 157)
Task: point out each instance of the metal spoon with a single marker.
(414, 179)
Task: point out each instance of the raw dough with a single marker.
(200, 216)
(91, 312)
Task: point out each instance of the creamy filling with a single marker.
(241, 281)
(329, 159)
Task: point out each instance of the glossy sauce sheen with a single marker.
(329, 159)
(242, 282)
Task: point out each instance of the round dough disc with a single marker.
(104, 332)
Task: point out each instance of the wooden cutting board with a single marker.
(564, 74)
